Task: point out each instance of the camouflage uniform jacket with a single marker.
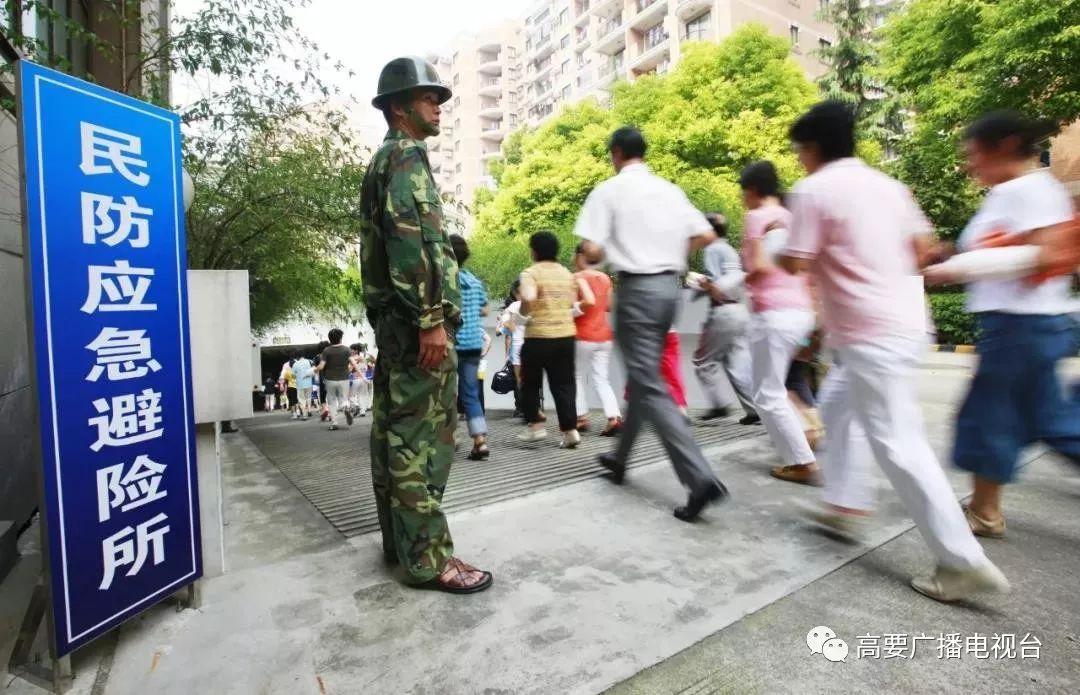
(408, 266)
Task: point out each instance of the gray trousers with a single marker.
(645, 308)
(723, 356)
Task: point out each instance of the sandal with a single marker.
(583, 424)
(480, 452)
(453, 579)
(613, 428)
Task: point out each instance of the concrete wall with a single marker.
(18, 493)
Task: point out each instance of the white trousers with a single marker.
(775, 337)
(337, 399)
(591, 363)
(360, 393)
(871, 409)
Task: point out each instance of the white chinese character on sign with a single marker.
(121, 550)
(1029, 647)
(97, 220)
(127, 419)
(125, 354)
(140, 485)
(1004, 646)
(976, 646)
(124, 288)
(949, 646)
(896, 646)
(119, 152)
(869, 647)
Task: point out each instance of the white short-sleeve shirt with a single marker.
(1026, 203)
(643, 222)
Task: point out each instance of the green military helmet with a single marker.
(408, 72)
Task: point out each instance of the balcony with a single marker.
(543, 46)
(581, 13)
(611, 37)
(686, 9)
(649, 12)
(489, 63)
(491, 109)
(493, 131)
(490, 87)
(607, 8)
(488, 155)
(651, 57)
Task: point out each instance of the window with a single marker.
(52, 31)
(457, 102)
(513, 120)
(457, 145)
(564, 69)
(794, 32)
(459, 190)
(655, 36)
(457, 124)
(565, 41)
(697, 29)
(566, 92)
(458, 168)
(824, 43)
(823, 5)
(457, 79)
(564, 16)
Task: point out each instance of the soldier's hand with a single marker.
(433, 347)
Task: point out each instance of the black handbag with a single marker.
(503, 381)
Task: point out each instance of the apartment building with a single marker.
(562, 51)
(483, 70)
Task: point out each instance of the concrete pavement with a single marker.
(595, 583)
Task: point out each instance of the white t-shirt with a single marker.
(643, 222)
(1026, 203)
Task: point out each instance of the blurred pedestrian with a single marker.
(783, 317)
(269, 393)
(548, 293)
(303, 372)
(722, 350)
(595, 342)
(1016, 397)
(335, 366)
(864, 238)
(470, 349)
(646, 228)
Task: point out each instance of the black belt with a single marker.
(725, 302)
(623, 273)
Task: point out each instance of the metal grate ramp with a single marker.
(332, 469)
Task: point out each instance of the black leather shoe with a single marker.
(609, 462)
(750, 419)
(715, 414)
(697, 501)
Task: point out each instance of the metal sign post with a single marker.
(110, 360)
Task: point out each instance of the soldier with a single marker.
(413, 302)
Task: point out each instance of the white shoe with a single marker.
(948, 584)
(570, 440)
(531, 435)
(849, 527)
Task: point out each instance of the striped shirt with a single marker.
(556, 291)
(473, 299)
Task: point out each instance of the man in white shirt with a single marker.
(722, 348)
(646, 228)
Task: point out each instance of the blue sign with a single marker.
(107, 266)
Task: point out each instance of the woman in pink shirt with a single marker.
(782, 318)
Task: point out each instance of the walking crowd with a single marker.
(831, 272)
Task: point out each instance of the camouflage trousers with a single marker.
(412, 447)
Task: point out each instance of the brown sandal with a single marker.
(453, 579)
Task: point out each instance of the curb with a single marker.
(961, 349)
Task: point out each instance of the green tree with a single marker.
(276, 173)
(853, 75)
(952, 60)
(722, 107)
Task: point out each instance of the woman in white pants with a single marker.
(595, 341)
(864, 237)
(782, 318)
